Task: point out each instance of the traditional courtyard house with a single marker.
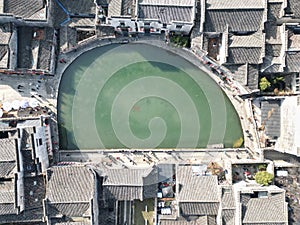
(129, 184)
(260, 205)
(122, 190)
(197, 194)
(120, 14)
(71, 195)
(166, 15)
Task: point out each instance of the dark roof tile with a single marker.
(166, 14)
(238, 20)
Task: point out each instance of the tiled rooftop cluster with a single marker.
(198, 197)
(95, 194)
(22, 181)
(251, 38)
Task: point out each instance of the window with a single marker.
(40, 141)
(178, 26)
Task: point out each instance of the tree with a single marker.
(264, 178)
(264, 84)
(238, 143)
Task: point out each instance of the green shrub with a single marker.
(264, 178)
(238, 143)
(262, 167)
(264, 84)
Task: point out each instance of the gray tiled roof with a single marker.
(275, 68)
(82, 22)
(23, 8)
(242, 55)
(270, 116)
(79, 6)
(123, 192)
(7, 198)
(4, 37)
(271, 209)
(235, 4)
(178, 222)
(130, 184)
(292, 61)
(168, 2)
(199, 208)
(228, 216)
(45, 48)
(57, 14)
(238, 20)
(252, 40)
(202, 220)
(239, 72)
(69, 209)
(7, 169)
(114, 8)
(8, 150)
(70, 184)
(126, 177)
(7, 192)
(207, 220)
(3, 51)
(227, 198)
(7, 208)
(273, 33)
(273, 50)
(126, 4)
(207, 186)
(294, 6)
(71, 223)
(24, 47)
(26, 217)
(166, 14)
(274, 10)
(252, 76)
(165, 172)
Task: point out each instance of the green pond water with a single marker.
(141, 96)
